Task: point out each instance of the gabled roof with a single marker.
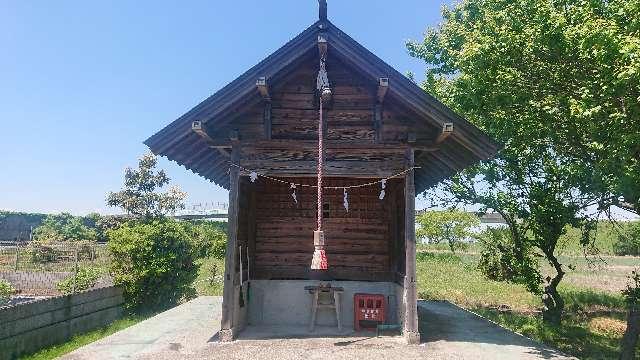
(178, 142)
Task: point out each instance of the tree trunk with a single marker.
(630, 338)
(553, 302)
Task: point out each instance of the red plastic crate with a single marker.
(369, 307)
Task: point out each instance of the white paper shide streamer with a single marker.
(345, 199)
(293, 193)
(383, 184)
(253, 176)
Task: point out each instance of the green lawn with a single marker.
(210, 277)
(591, 329)
(84, 339)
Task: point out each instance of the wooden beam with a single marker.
(322, 10)
(263, 88)
(383, 87)
(323, 42)
(275, 144)
(234, 136)
(198, 128)
(231, 255)
(267, 120)
(411, 333)
(334, 144)
(377, 122)
(447, 130)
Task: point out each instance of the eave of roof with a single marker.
(178, 142)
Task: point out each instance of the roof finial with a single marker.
(323, 10)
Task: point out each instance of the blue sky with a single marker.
(84, 83)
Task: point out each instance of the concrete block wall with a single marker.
(30, 326)
(285, 302)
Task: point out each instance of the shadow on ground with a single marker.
(441, 321)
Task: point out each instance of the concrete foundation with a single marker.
(285, 302)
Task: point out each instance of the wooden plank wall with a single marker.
(360, 245)
(349, 117)
(244, 225)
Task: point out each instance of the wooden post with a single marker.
(228, 295)
(75, 269)
(411, 333)
(17, 255)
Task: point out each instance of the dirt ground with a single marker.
(189, 332)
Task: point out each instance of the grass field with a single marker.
(210, 277)
(595, 316)
(78, 341)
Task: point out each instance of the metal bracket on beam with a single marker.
(447, 130)
(263, 88)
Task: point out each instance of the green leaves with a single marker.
(6, 290)
(63, 227)
(84, 279)
(452, 226)
(140, 197)
(153, 261)
(559, 84)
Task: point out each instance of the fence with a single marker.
(36, 269)
(33, 325)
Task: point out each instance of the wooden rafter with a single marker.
(447, 130)
(383, 87)
(263, 88)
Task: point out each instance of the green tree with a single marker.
(63, 227)
(632, 298)
(628, 242)
(84, 279)
(452, 226)
(209, 238)
(140, 196)
(552, 81)
(6, 290)
(153, 261)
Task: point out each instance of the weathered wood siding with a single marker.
(349, 118)
(360, 244)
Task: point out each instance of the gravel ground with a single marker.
(189, 332)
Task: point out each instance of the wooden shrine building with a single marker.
(260, 134)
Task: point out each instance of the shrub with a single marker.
(209, 238)
(84, 279)
(6, 290)
(628, 242)
(63, 227)
(153, 262)
(40, 252)
(498, 260)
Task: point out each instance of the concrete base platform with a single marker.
(189, 332)
(297, 332)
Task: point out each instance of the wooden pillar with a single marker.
(228, 296)
(410, 293)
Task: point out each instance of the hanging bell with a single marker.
(326, 94)
(319, 260)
